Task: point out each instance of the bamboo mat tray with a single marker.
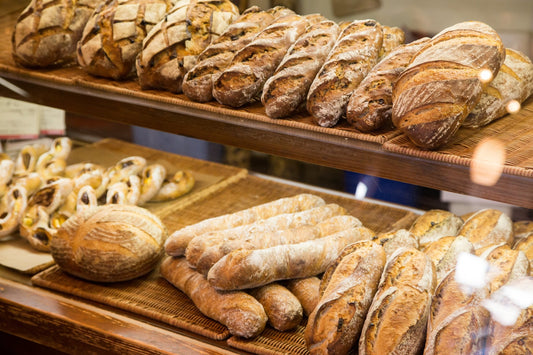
(16, 253)
(153, 297)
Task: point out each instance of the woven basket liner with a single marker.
(75, 76)
(514, 131)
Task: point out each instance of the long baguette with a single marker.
(241, 313)
(200, 244)
(243, 269)
(177, 242)
(262, 240)
(306, 291)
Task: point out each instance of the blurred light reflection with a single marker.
(513, 106)
(487, 162)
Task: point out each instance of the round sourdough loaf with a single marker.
(110, 243)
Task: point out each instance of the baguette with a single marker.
(397, 318)
(198, 82)
(283, 309)
(488, 227)
(241, 313)
(199, 245)
(251, 66)
(370, 105)
(335, 324)
(435, 224)
(354, 54)
(287, 89)
(261, 240)
(306, 291)
(441, 85)
(242, 269)
(177, 242)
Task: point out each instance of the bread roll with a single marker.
(306, 291)
(355, 52)
(242, 269)
(241, 313)
(177, 243)
(251, 66)
(109, 243)
(513, 82)
(435, 224)
(397, 318)
(198, 82)
(392, 241)
(444, 253)
(287, 89)
(46, 32)
(441, 85)
(335, 324)
(370, 105)
(283, 309)
(488, 227)
(171, 48)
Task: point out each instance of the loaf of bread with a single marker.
(241, 313)
(513, 82)
(113, 35)
(254, 238)
(306, 290)
(335, 324)
(526, 246)
(397, 318)
(171, 48)
(370, 105)
(200, 244)
(286, 90)
(355, 52)
(435, 224)
(198, 82)
(441, 85)
(46, 32)
(177, 242)
(282, 308)
(522, 229)
(394, 240)
(488, 227)
(243, 269)
(444, 253)
(392, 38)
(251, 66)
(109, 243)
(509, 264)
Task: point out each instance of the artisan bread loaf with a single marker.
(397, 318)
(394, 240)
(287, 89)
(241, 313)
(335, 324)
(306, 290)
(113, 36)
(488, 227)
(392, 38)
(46, 32)
(526, 245)
(109, 243)
(441, 85)
(198, 82)
(355, 52)
(509, 265)
(251, 66)
(435, 224)
(171, 48)
(513, 82)
(522, 229)
(444, 253)
(242, 269)
(370, 105)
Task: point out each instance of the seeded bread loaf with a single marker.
(435, 224)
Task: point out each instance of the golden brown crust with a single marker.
(435, 224)
(392, 38)
(488, 227)
(445, 251)
(394, 240)
(307, 291)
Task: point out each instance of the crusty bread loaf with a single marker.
(435, 224)
(513, 82)
(355, 52)
(441, 85)
(526, 245)
(392, 38)
(113, 35)
(283, 309)
(370, 105)
(177, 242)
(335, 324)
(198, 82)
(171, 48)
(522, 229)
(394, 240)
(287, 89)
(510, 265)
(251, 66)
(306, 290)
(109, 243)
(397, 318)
(444, 253)
(241, 313)
(488, 227)
(242, 269)
(46, 32)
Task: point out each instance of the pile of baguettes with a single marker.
(387, 293)
(360, 71)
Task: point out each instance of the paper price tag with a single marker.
(52, 121)
(18, 120)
